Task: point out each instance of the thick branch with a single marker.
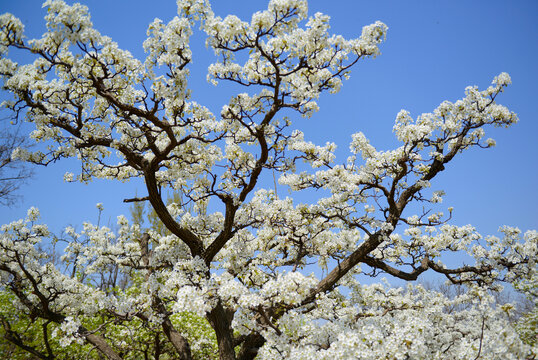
(410, 276)
(250, 346)
(345, 266)
(483, 270)
(178, 341)
(192, 241)
(101, 345)
(231, 208)
(225, 235)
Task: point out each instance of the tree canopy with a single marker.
(237, 271)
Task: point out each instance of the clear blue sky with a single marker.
(434, 49)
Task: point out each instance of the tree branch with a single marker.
(410, 276)
(193, 242)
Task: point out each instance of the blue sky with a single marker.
(434, 49)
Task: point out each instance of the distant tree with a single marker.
(274, 279)
(13, 173)
(527, 324)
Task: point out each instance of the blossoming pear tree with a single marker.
(273, 278)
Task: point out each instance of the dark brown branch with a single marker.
(231, 208)
(178, 341)
(14, 338)
(193, 242)
(100, 343)
(345, 266)
(136, 199)
(481, 337)
(45, 330)
(250, 346)
(480, 271)
(410, 276)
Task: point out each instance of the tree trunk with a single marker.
(250, 347)
(221, 321)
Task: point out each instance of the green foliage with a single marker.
(133, 338)
(199, 333)
(527, 327)
(195, 328)
(36, 334)
(527, 324)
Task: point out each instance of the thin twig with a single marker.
(481, 338)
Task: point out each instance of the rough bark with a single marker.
(102, 346)
(250, 347)
(178, 341)
(221, 321)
